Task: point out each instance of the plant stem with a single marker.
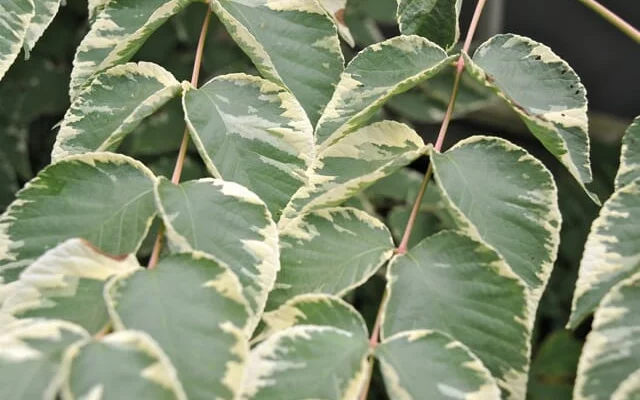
(373, 342)
(613, 19)
(404, 243)
(184, 145)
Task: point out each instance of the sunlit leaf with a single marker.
(45, 12)
(630, 156)
(15, 16)
(336, 9)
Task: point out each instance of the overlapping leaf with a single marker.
(472, 295)
(293, 43)
(104, 198)
(66, 283)
(358, 245)
(253, 132)
(15, 16)
(112, 106)
(437, 20)
(611, 252)
(424, 364)
(231, 224)
(336, 9)
(45, 11)
(353, 163)
(506, 198)
(544, 91)
(119, 31)
(630, 156)
(124, 365)
(372, 77)
(194, 309)
(30, 357)
(608, 367)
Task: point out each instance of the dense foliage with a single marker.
(289, 251)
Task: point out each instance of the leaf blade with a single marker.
(15, 18)
(436, 20)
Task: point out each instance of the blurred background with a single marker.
(33, 99)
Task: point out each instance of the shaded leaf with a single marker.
(143, 370)
(115, 36)
(611, 252)
(423, 364)
(472, 295)
(630, 156)
(329, 251)
(436, 20)
(506, 198)
(231, 224)
(253, 132)
(113, 105)
(292, 43)
(202, 320)
(104, 198)
(608, 367)
(544, 91)
(66, 283)
(372, 77)
(30, 356)
(553, 370)
(15, 16)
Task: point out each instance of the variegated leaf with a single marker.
(293, 43)
(608, 367)
(314, 309)
(199, 326)
(45, 12)
(353, 163)
(611, 252)
(425, 364)
(437, 20)
(112, 106)
(95, 7)
(452, 283)
(544, 91)
(372, 77)
(15, 17)
(308, 362)
(332, 251)
(630, 156)
(123, 365)
(505, 197)
(30, 356)
(336, 9)
(118, 32)
(228, 222)
(253, 132)
(66, 283)
(104, 198)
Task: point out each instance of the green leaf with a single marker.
(30, 356)
(15, 16)
(611, 252)
(544, 91)
(423, 364)
(336, 9)
(553, 370)
(123, 365)
(308, 362)
(436, 20)
(630, 156)
(292, 43)
(608, 367)
(104, 198)
(95, 7)
(314, 309)
(354, 163)
(118, 32)
(113, 105)
(45, 12)
(194, 309)
(228, 222)
(8, 181)
(66, 283)
(457, 285)
(253, 132)
(505, 197)
(329, 251)
(426, 224)
(372, 77)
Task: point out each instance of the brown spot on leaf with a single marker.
(340, 16)
(98, 250)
